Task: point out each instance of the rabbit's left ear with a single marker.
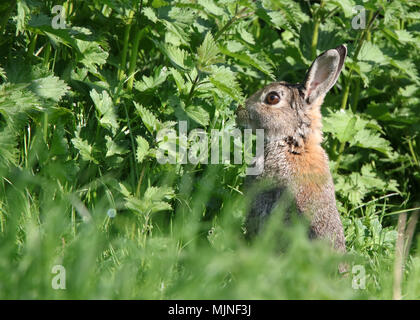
(324, 72)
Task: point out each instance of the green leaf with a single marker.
(3, 74)
(177, 56)
(50, 87)
(346, 5)
(246, 36)
(211, 7)
(91, 54)
(347, 127)
(224, 79)
(198, 114)
(85, 149)
(152, 201)
(113, 148)
(404, 36)
(253, 60)
(142, 148)
(371, 52)
(159, 193)
(371, 140)
(8, 147)
(22, 18)
(208, 51)
(150, 14)
(179, 80)
(341, 124)
(149, 119)
(150, 83)
(105, 108)
(16, 102)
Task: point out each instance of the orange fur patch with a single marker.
(310, 167)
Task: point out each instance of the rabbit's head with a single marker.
(291, 112)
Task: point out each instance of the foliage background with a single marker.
(80, 108)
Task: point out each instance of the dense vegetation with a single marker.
(80, 108)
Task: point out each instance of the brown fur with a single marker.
(293, 156)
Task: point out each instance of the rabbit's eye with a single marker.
(272, 98)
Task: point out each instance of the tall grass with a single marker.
(81, 186)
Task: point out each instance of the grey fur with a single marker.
(294, 160)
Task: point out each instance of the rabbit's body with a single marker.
(294, 160)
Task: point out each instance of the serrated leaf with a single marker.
(22, 18)
(408, 67)
(92, 54)
(148, 118)
(224, 79)
(246, 36)
(85, 149)
(370, 140)
(105, 107)
(179, 80)
(341, 124)
(250, 59)
(8, 147)
(152, 201)
(16, 102)
(198, 114)
(149, 83)
(178, 57)
(50, 87)
(211, 7)
(346, 5)
(150, 14)
(404, 36)
(347, 127)
(3, 74)
(159, 193)
(113, 148)
(142, 148)
(208, 51)
(371, 52)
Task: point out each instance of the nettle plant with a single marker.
(81, 106)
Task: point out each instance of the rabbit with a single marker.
(294, 159)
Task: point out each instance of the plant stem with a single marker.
(47, 53)
(356, 96)
(190, 95)
(411, 227)
(315, 33)
(45, 127)
(125, 45)
(355, 57)
(399, 257)
(132, 144)
(314, 43)
(368, 36)
(32, 46)
(229, 23)
(346, 92)
(133, 58)
(348, 82)
(5, 18)
(134, 50)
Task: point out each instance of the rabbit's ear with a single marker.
(323, 73)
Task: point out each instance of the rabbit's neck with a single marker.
(305, 174)
(299, 157)
(307, 164)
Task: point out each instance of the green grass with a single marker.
(80, 109)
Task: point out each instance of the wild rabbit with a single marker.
(293, 157)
